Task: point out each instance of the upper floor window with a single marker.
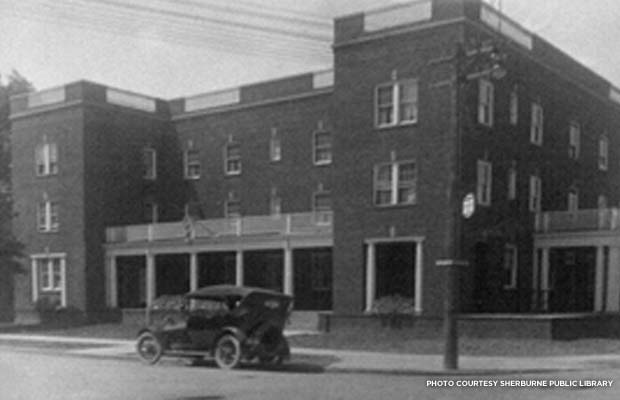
(602, 201)
(512, 182)
(396, 103)
(514, 106)
(322, 149)
(232, 158)
(486, 102)
(395, 183)
(574, 140)
(510, 266)
(47, 216)
(484, 182)
(46, 158)
(149, 162)
(573, 199)
(536, 130)
(603, 153)
(275, 146)
(322, 207)
(191, 164)
(535, 193)
(232, 206)
(151, 212)
(275, 203)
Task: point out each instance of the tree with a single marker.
(10, 248)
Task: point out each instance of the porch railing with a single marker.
(603, 219)
(284, 224)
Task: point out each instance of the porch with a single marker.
(288, 252)
(577, 261)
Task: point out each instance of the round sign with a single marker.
(469, 205)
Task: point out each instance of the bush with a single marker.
(52, 313)
(392, 309)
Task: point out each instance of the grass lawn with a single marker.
(388, 340)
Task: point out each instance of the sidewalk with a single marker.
(362, 361)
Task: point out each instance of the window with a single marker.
(573, 199)
(486, 102)
(46, 158)
(510, 266)
(50, 273)
(322, 148)
(535, 193)
(232, 206)
(149, 162)
(322, 207)
(275, 203)
(47, 216)
(232, 162)
(484, 182)
(396, 103)
(536, 130)
(151, 212)
(574, 140)
(514, 106)
(512, 183)
(602, 201)
(191, 161)
(395, 183)
(275, 146)
(603, 153)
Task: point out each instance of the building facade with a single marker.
(340, 187)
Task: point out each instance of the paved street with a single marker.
(29, 373)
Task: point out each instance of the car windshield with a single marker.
(208, 305)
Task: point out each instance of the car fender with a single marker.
(232, 330)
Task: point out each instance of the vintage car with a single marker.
(231, 324)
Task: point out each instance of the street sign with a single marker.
(469, 205)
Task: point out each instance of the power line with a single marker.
(215, 21)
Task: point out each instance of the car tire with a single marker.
(228, 352)
(149, 348)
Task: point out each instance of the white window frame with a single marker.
(37, 260)
(275, 147)
(512, 183)
(232, 198)
(149, 155)
(486, 102)
(230, 161)
(322, 216)
(397, 103)
(537, 124)
(574, 140)
(484, 182)
(573, 200)
(191, 166)
(511, 265)
(275, 204)
(46, 159)
(603, 153)
(395, 184)
(514, 106)
(535, 195)
(47, 216)
(325, 148)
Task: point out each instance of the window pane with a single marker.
(234, 151)
(406, 172)
(322, 202)
(383, 197)
(384, 174)
(385, 95)
(56, 273)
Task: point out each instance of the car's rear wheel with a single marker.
(149, 348)
(228, 352)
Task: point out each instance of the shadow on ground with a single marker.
(304, 364)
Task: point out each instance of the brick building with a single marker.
(340, 186)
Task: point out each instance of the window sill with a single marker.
(191, 178)
(393, 206)
(322, 163)
(232, 173)
(393, 126)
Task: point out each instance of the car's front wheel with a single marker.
(228, 352)
(149, 348)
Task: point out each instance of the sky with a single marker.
(185, 49)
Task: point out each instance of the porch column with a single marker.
(112, 282)
(150, 279)
(371, 275)
(239, 268)
(288, 270)
(193, 271)
(35, 279)
(63, 282)
(544, 278)
(419, 268)
(613, 280)
(599, 279)
(535, 283)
